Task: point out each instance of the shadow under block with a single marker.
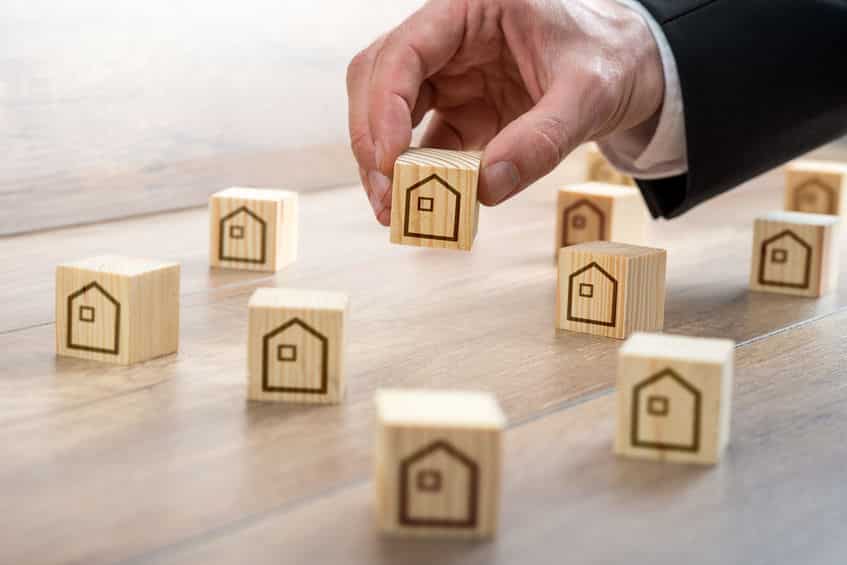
(253, 229)
(117, 309)
(295, 345)
(598, 169)
(674, 398)
(599, 211)
(438, 463)
(816, 187)
(610, 289)
(795, 253)
(434, 198)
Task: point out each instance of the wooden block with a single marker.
(117, 309)
(434, 198)
(295, 345)
(611, 289)
(674, 396)
(438, 463)
(795, 253)
(253, 229)
(599, 211)
(816, 187)
(598, 169)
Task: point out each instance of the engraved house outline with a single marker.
(567, 220)
(449, 191)
(405, 516)
(225, 234)
(821, 189)
(280, 355)
(661, 406)
(581, 292)
(92, 316)
(766, 258)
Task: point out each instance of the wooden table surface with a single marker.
(166, 462)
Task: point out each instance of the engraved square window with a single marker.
(425, 204)
(658, 405)
(428, 480)
(586, 290)
(286, 352)
(236, 232)
(779, 256)
(86, 313)
(578, 221)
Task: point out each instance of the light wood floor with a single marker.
(166, 462)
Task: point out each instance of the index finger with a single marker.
(410, 54)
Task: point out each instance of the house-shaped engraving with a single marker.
(438, 488)
(243, 237)
(666, 413)
(94, 320)
(432, 210)
(582, 221)
(295, 359)
(593, 296)
(815, 197)
(785, 260)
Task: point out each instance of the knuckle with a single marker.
(552, 140)
(357, 67)
(360, 144)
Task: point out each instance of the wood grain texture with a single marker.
(610, 289)
(434, 198)
(117, 309)
(167, 455)
(437, 463)
(295, 345)
(674, 396)
(253, 229)
(565, 493)
(816, 187)
(598, 211)
(794, 253)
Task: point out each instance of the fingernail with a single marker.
(501, 179)
(380, 186)
(378, 154)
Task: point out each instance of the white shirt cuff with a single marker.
(664, 154)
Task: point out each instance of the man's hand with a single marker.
(528, 80)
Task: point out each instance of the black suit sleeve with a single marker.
(763, 81)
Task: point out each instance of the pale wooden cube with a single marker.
(117, 309)
(674, 397)
(599, 211)
(295, 345)
(795, 253)
(598, 169)
(434, 198)
(253, 229)
(438, 463)
(816, 187)
(610, 289)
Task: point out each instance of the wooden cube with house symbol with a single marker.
(117, 309)
(598, 169)
(295, 345)
(610, 289)
(674, 397)
(253, 229)
(599, 211)
(434, 198)
(816, 187)
(795, 253)
(438, 463)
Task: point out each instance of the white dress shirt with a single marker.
(663, 154)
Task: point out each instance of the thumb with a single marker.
(532, 145)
